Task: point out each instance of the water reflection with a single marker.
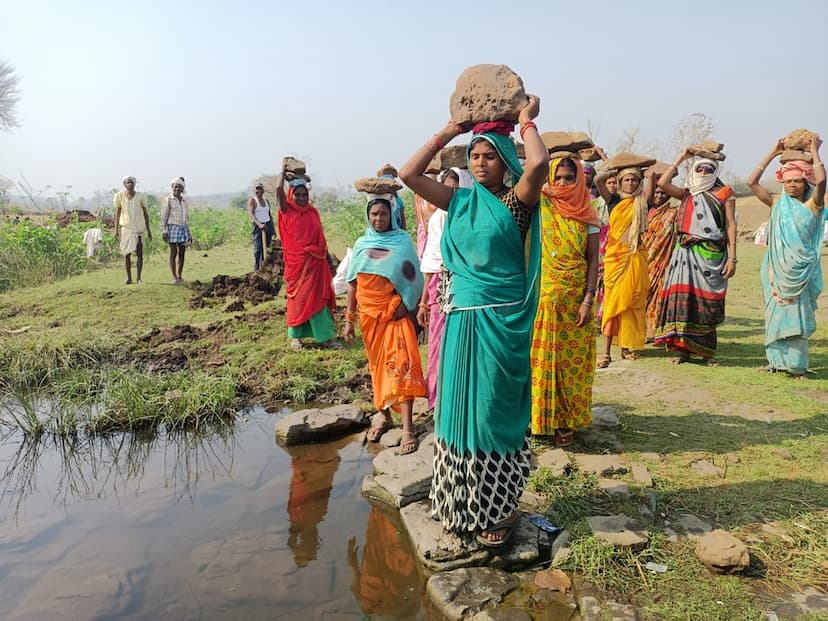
(82, 466)
(95, 527)
(312, 470)
(385, 582)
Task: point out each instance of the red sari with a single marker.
(308, 278)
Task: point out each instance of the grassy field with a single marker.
(111, 356)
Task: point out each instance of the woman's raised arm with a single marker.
(756, 174)
(413, 174)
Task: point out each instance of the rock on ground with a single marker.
(602, 465)
(315, 424)
(464, 592)
(641, 475)
(404, 479)
(604, 416)
(614, 487)
(556, 460)
(721, 552)
(592, 610)
(707, 468)
(692, 525)
(618, 530)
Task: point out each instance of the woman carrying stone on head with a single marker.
(625, 266)
(704, 258)
(309, 289)
(563, 343)
(175, 225)
(384, 286)
(659, 240)
(791, 270)
(484, 402)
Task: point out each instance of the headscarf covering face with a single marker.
(796, 169)
(697, 182)
(128, 178)
(178, 181)
(572, 201)
(391, 254)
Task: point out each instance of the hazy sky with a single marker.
(219, 91)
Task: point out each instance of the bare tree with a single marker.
(9, 96)
(693, 129)
(628, 140)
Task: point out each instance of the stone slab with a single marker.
(461, 593)
(318, 424)
(619, 531)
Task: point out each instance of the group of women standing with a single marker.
(510, 319)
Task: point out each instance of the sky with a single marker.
(218, 92)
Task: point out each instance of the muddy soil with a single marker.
(252, 288)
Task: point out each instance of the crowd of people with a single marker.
(515, 264)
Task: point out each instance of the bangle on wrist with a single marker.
(732, 260)
(525, 126)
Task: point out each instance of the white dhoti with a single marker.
(129, 241)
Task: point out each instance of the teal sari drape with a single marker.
(791, 283)
(484, 398)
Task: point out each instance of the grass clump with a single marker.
(179, 400)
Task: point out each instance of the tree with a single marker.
(693, 129)
(9, 96)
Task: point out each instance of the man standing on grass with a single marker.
(131, 224)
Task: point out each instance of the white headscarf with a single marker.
(698, 183)
(128, 178)
(178, 181)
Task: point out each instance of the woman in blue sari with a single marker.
(791, 271)
(481, 419)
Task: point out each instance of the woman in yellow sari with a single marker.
(563, 345)
(385, 285)
(626, 282)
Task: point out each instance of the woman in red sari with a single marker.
(309, 289)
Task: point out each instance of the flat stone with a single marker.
(614, 487)
(392, 437)
(405, 478)
(436, 548)
(641, 475)
(693, 526)
(315, 424)
(657, 457)
(522, 551)
(707, 468)
(604, 416)
(532, 502)
(556, 460)
(590, 608)
(420, 405)
(499, 614)
(618, 530)
(733, 458)
(621, 612)
(602, 465)
(721, 552)
(560, 551)
(782, 453)
(464, 592)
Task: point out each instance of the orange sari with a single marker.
(391, 344)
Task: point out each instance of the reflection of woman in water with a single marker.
(387, 571)
(313, 468)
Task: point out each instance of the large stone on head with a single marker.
(487, 93)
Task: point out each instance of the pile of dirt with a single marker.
(253, 287)
(487, 93)
(76, 215)
(162, 336)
